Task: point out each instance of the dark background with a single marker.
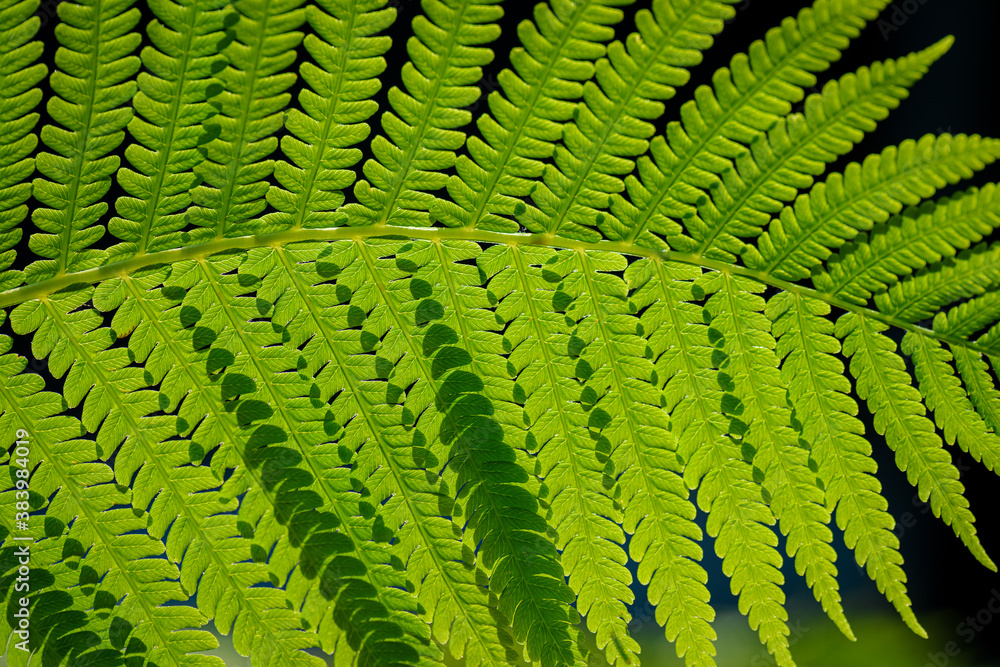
(959, 95)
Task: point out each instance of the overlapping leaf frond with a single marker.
(449, 398)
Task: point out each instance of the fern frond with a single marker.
(752, 372)
(296, 487)
(54, 550)
(468, 418)
(587, 399)
(198, 523)
(920, 297)
(182, 498)
(422, 132)
(906, 243)
(216, 556)
(883, 382)
(785, 160)
(664, 540)
(320, 316)
(963, 321)
(736, 315)
(611, 127)
(444, 416)
(252, 102)
(92, 85)
(20, 75)
(944, 394)
(821, 395)
(116, 557)
(173, 104)
(525, 120)
(744, 101)
(835, 210)
(320, 152)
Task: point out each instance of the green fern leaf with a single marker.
(527, 118)
(920, 297)
(664, 540)
(944, 394)
(909, 242)
(348, 53)
(963, 321)
(236, 170)
(900, 416)
(123, 570)
(610, 127)
(820, 394)
(794, 497)
(92, 85)
(19, 95)
(173, 104)
(431, 545)
(836, 210)
(543, 347)
(716, 126)
(784, 161)
(444, 410)
(421, 137)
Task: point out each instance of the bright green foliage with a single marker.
(421, 137)
(346, 49)
(866, 193)
(610, 128)
(19, 95)
(821, 396)
(92, 86)
(743, 102)
(173, 103)
(262, 43)
(909, 242)
(953, 411)
(526, 120)
(799, 146)
(901, 417)
(332, 396)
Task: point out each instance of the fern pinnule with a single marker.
(785, 160)
(20, 75)
(908, 242)
(966, 320)
(91, 88)
(467, 425)
(834, 211)
(674, 323)
(900, 416)
(751, 370)
(716, 126)
(254, 84)
(121, 568)
(321, 149)
(740, 515)
(536, 99)
(821, 396)
(173, 106)
(610, 126)
(921, 296)
(188, 511)
(944, 393)
(422, 132)
(319, 317)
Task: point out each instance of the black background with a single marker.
(959, 95)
